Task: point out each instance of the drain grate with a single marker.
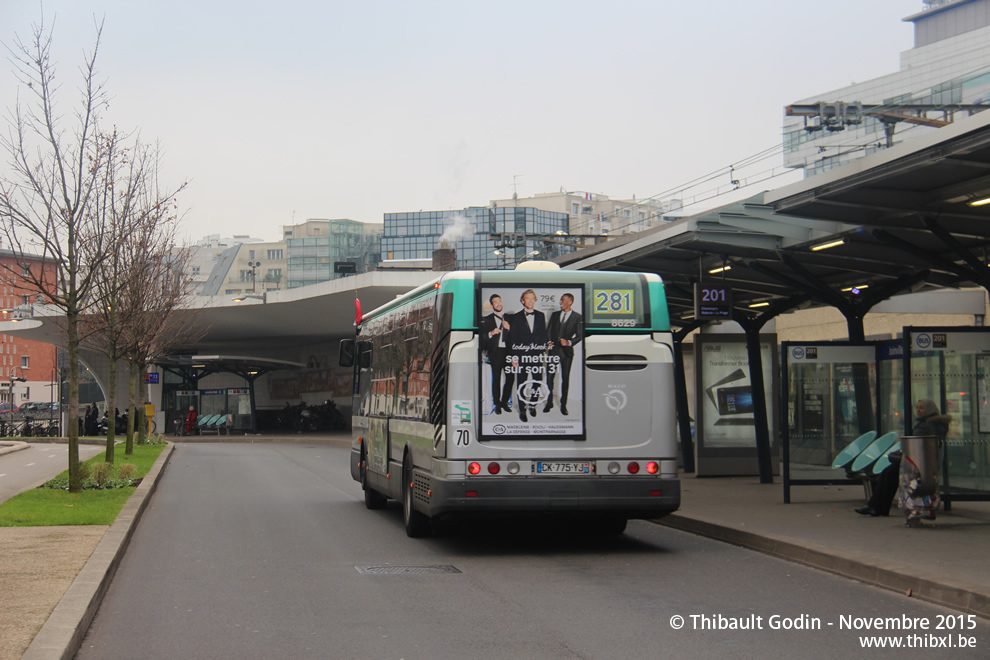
(407, 570)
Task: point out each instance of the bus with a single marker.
(536, 391)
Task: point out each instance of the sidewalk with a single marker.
(944, 562)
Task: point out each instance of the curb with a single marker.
(299, 439)
(63, 632)
(955, 597)
(10, 446)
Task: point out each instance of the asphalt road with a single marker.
(266, 551)
(27, 468)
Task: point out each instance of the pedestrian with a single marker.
(190, 420)
(90, 420)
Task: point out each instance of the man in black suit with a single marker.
(528, 341)
(566, 329)
(494, 336)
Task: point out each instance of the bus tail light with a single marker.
(633, 467)
(494, 468)
(652, 467)
(474, 468)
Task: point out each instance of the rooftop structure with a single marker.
(597, 214)
(945, 76)
(322, 250)
(483, 237)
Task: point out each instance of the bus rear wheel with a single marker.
(372, 498)
(417, 524)
(611, 526)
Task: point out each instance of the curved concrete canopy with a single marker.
(264, 330)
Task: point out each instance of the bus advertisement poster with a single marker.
(531, 337)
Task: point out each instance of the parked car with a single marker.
(8, 407)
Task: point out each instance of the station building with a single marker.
(888, 245)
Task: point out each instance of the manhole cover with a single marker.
(406, 570)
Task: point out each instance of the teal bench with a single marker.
(217, 424)
(884, 459)
(204, 422)
(853, 449)
(860, 457)
(879, 447)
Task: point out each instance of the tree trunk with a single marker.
(72, 418)
(139, 400)
(131, 407)
(111, 407)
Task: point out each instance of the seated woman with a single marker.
(929, 422)
(191, 420)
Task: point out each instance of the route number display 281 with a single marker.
(614, 301)
(616, 307)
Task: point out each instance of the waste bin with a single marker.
(922, 450)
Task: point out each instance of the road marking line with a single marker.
(29, 465)
(3, 475)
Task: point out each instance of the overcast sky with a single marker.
(281, 111)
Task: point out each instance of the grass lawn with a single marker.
(42, 507)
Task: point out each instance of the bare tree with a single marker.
(156, 290)
(47, 194)
(162, 294)
(140, 216)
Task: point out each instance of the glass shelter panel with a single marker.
(831, 401)
(950, 366)
(890, 371)
(180, 408)
(213, 402)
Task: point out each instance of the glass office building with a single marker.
(314, 248)
(521, 233)
(948, 65)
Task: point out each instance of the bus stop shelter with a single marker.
(901, 220)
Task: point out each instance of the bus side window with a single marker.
(364, 353)
(345, 354)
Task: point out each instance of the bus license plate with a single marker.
(562, 468)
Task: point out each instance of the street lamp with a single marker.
(249, 296)
(253, 265)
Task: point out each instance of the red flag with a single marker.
(357, 312)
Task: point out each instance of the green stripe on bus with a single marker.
(463, 314)
(659, 313)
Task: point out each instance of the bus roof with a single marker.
(465, 280)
